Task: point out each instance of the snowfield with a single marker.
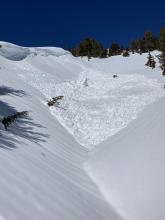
(99, 154)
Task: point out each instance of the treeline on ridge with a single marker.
(92, 48)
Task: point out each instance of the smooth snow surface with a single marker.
(112, 127)
(129, 169)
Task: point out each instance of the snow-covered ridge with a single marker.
(17, 53)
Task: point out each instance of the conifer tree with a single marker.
(104, 53)
(162, 40)
(114, 50)
(162, 62)
(151, 62)
(126, 53)
(162, 48)
(85, 48)
(96, 48)
(148, 41)
(88, 47)
(142, 47)
(134, 46)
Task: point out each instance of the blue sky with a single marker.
(65, 22)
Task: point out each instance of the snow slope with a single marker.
(99, 156)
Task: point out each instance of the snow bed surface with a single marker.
(99, 156)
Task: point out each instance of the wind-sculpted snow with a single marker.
(18, 53)
(13, 52)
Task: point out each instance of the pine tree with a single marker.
(141, 46)
(104, 53)
(85, 48)
(162, 48)
(126, 53)
(148, 41)
(151, 62)
(74, 51)
(88, 47)
(134, 46)
(114, 50)
(162, 62)
(162, 40)
(97, 48)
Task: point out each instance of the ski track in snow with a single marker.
(103, 107)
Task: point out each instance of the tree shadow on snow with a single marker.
(22, 130)
(5, 90)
